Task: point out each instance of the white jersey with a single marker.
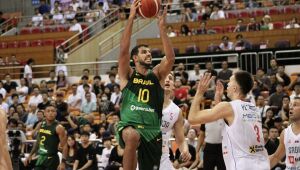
(169, 117)
(243, 142)
(292, 149)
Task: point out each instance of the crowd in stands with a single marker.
(89, 109)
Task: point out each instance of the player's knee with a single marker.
(130, 136)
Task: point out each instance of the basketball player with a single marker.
(290, 140)
(5, 162)
(143, 96)
(172, 120)
(51, 135)
(242, 143)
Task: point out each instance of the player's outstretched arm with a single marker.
(166, 64)
(280, 152)
(180, 139)
(197, 116)
(61, 132)
(5, 162)
(124, 56)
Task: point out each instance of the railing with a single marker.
(8, 24)
(93, 29)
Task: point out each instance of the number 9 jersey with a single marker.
(142, 100)
(243, 142)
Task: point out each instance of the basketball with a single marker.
(149, 8)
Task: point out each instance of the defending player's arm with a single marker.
(5, 161)
(166, 64)
(124, 56)
(223, 110)
(180, 139)
(35, 146)
(61, 132)
(280, 152)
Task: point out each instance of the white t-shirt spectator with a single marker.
(4, 106)
(53, 10)
(289, 26)
(217, 15)
(24, 90)
(75, 6)
(228, 47)
(3, 92)
(35, 100)
(105, 157)
(61, 67)
(93, 97)
(72, 101)
(80, 90)
(69, 15)
(58, 18)
(76, 27)
(27, 71)
(115, 98)
(37, 20)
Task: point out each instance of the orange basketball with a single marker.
(149, 8)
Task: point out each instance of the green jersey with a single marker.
(142, 100)
(49, 139)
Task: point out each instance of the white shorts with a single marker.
(165, 163)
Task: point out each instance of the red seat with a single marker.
(218, 29)
(48, 42)
(85, 32)
(229, 28)
(24, 44)
(259, 13)
(36, 43)
(244, 14)
(289, 10)
(3, 45)
(274, 11)
(60, 29)
(48, 29)
(59, 42)
(199, 17)
(13, 44)
(25, 31)
(278, 25)
(36, 30)
(231, 15)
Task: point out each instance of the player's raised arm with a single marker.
(5, 162)
(166, 64)
(124, 57)
(280, 152)
(220, 111)
(61, 132)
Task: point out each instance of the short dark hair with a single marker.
(84, 77)
(265, 127)
(135, 49)
(74, 85)
(84, 133)
(1, 96)
(50, 105)
(13, 121)
(272, 127)
(260, 68)
(225, 37)
(244, 80)
(286, 96)
(111, 75)
(30, 61)
(86, 70)
(14, 95)
(239, 36)
(97, 77)
(86, 85)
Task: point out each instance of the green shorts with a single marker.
(47, 163)
(150, 148)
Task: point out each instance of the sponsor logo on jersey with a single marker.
(137, 108)
(291, 159)
(45, 131)
(292, 168)
(142, 82)
(225, 151)
(294, 149)
(256, 148)
(247, 107)
(251, 117)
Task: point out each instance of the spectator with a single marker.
(239, 26)
(61, 83)
(56, 7)
(79, 15)
(87, 89)
(184, 30)
(2, 19)
(253, 25)
(52, 77)
(28, 71)
(292, 24)
(112, 78)
(32, 117)
(44, 8)
(241, 43)
(58, 17)
(217, 13)
(180, 92)
(226, 45)
(116, 95)
(225, 74)
(4, 105)
(269, 119)
(192, 134)
(278, 123)
(76, 27)
(274, 67)
(269, 144)
(296, 92)
(207, 13)
(275, 99)
(285, 109)
(263, 81)
(61, 108)
(2, 62)
(274, 134)
(282, 77)
(170, 31)
(47, 20)
(202, 29)
(261, 106)
(43, 86)
(105, 105)
(179, 164)
(74, 99)
(116, 158)
(98, 13)
(80, 89)
(13, 100)
(2, 90)
(112, 127)
(13, 60)
(37, 19)
(98, 86)
(107, 92)
(85, 157)
(72, 152)
(75, 5)
(209, 69)
(266, 23)
(36, 98)
(85, 5)
(273, 84)
(23, 115)
(60, 61)
(8, 85)
(181, 73)
(189, 16)
(40, 117)
(88, 106)
(195, 74)
(69, 14)
(106, 151)
(45, 102)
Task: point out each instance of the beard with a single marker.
(146, 65)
